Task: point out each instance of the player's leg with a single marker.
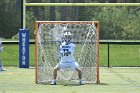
(55, 75)
(79, 71)
(1, 66)
(57, 67)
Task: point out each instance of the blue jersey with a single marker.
(67, 48)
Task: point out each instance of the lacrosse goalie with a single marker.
(67, 60)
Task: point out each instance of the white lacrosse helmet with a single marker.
(67, 36)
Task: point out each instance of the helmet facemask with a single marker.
(67, 37)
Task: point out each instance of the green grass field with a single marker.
(120, 55)
(113, 80)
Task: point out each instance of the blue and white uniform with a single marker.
(67, 48)
(67, 61)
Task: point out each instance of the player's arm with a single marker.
(62, 53)
(71, 50)
(67, 53)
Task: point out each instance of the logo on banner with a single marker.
(24, 48)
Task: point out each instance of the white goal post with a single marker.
(85, 35)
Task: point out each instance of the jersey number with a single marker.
(65, 50)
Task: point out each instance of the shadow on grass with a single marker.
(104, 84)
(76, 84)
(68, 83)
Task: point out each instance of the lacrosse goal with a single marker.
(49, 35)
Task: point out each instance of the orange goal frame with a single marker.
(97, 24)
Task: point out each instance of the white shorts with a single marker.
(67, 66)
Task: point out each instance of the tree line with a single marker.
(116, 22)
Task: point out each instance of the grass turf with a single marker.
(113, 80)
(120, 55)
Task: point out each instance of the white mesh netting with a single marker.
(50, 36)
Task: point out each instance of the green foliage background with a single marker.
(119, 23)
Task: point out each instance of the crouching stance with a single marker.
(67, 59)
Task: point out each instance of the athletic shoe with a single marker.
(81, 82)
(53, 83)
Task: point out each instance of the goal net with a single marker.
(49, 36)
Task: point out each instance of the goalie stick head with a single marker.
(67, 37)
